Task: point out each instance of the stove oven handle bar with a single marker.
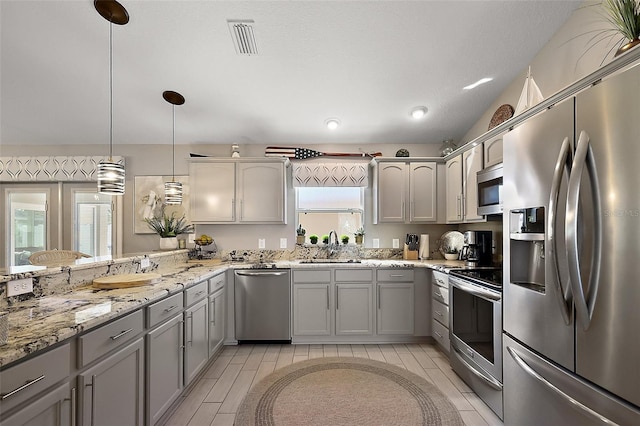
(563, 297)
(486, 294)
(485, 378)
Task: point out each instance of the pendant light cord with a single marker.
(110, 91)
(173, 138)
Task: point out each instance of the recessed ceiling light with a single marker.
(332, 123)
(478, 83)
(419, 112)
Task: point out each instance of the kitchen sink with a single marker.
(331, 261)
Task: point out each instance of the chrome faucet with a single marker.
(333, 245)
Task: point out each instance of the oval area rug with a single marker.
(345, 391)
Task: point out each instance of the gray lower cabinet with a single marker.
(395, 308)
(311, 309)
(354, 313)
(112, 391)
(440, 309)
(216, 321)
(56, 408)
(165, 367)
(196, 345)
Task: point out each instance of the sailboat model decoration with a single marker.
(530, 95)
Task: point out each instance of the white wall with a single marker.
(568, 56)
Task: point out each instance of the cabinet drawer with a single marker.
(97, 343)
(164, 309)
(354, 275)
(395, 274)
(312, 276)
(441, 335)
(441, 279)
(440, 312)
(440, 294)
(216, 282)
(26, 379)
(195, 293)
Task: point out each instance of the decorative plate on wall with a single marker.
(502, 114)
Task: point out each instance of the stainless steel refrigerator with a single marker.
(571, 296)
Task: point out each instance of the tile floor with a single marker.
(215, 397)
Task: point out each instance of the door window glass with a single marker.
(27, 225)
(92, 223)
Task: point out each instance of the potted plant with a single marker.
(624, 16)
(344, 239)
(451, 253)
(325, 239)
(313, 238)
(300, 233)
(359, 234)
(168, 227)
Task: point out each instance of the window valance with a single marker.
(330, 174)
(52, 168)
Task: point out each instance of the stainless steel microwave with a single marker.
(490, 190)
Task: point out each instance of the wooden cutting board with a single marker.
(126, 280)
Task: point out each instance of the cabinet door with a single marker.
(395, 308)
(391, 192)
(423, 192)
(113, 390)
(212, 192)
(261, 192)
(196, 339)
(311, 310)
(471, 165)
(216, 321)
(164, 367)
(354, 308)
(454, 189)
(493, 152)
(54, 409)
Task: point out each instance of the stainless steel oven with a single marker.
(475, 327)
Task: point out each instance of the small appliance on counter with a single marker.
(476, 250)
(411, 247)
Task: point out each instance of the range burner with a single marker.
(489, 277)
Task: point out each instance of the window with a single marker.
(321, 210)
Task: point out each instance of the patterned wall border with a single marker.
(52, 168)
(330, 174)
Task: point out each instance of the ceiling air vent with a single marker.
(243, 37)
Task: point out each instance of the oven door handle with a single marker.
(480, 292)
(493, 383)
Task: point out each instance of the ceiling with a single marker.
(366, 63)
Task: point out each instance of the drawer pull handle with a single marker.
(21, 388)
(171, 308)
(439, 335)
(396, 275)
(200, 292)
(119, 335)
(439, 313)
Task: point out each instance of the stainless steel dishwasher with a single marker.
(262, 305)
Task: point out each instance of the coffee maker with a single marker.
(477, 248)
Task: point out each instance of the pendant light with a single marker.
(173, 189)
(110, 173)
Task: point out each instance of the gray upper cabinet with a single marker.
(462, 186)
(238, 191)
(493, 151)
(405, 192)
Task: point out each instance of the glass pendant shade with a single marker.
(110, 178)
(173, 192)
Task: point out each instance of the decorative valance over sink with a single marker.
(330, 174)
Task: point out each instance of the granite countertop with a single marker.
(38, 323)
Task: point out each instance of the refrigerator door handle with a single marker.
(583, 156)
(575, 403)
(560, 170)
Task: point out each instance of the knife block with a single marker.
(409, 254)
